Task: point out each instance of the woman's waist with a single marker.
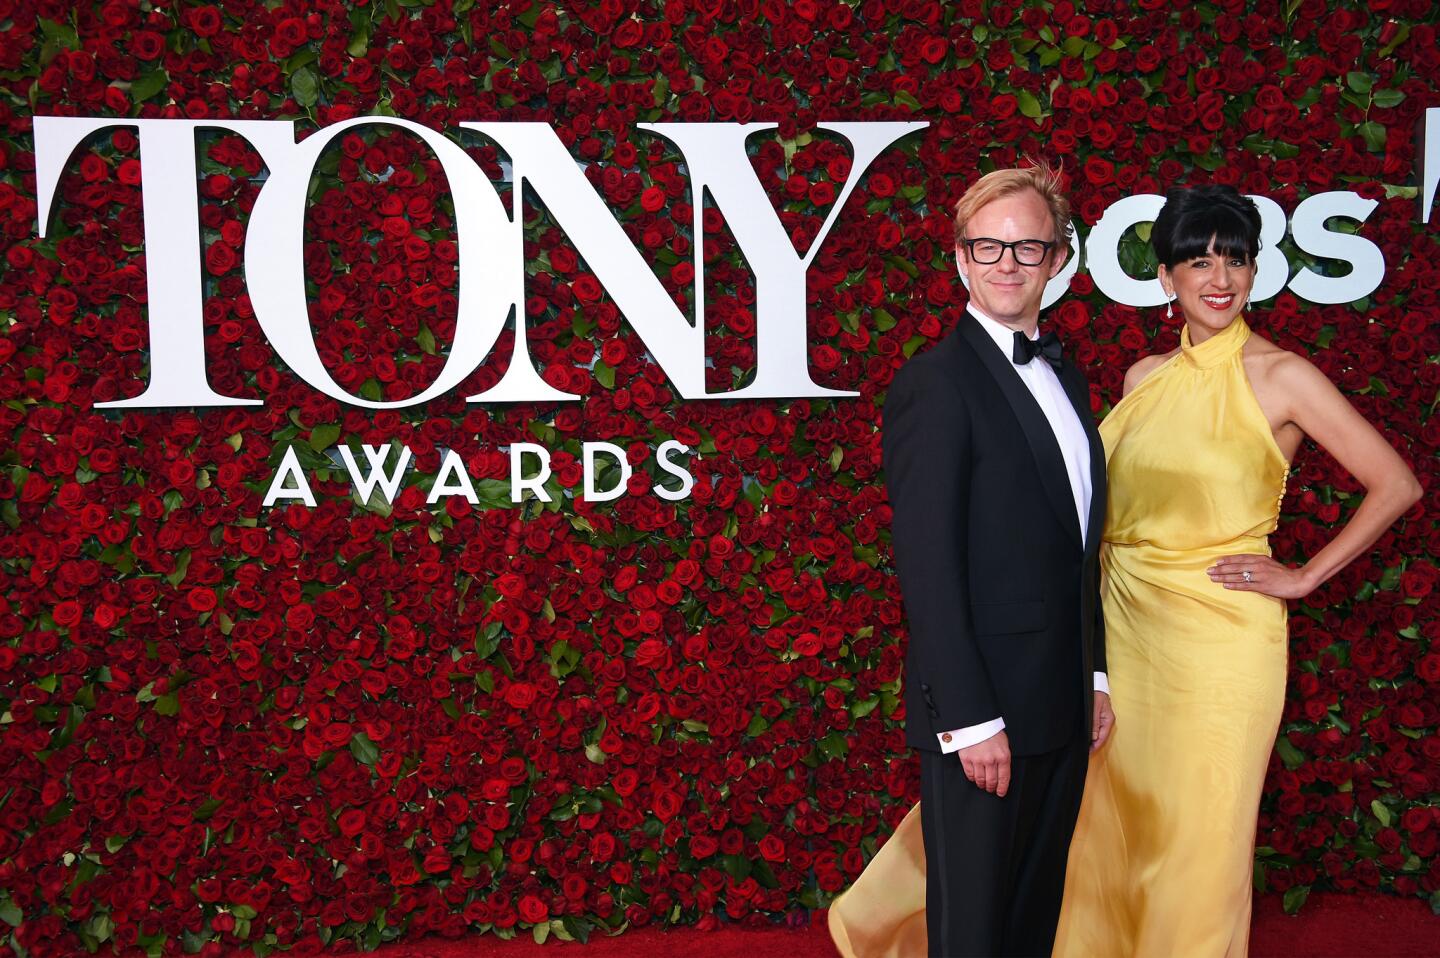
(1147, 552)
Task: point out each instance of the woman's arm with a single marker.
(1317, 407)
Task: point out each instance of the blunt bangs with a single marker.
(1195, 221)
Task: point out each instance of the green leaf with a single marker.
(487, 640)
(300, 58)
(1294, 898)
(426, 339)
(147, 85)
(61, 33)
(1029, 106)
(540, 932)
(1388, 99)
(834, 745)
(862, 709)
(1400, 37)
(493, 493)
(595, 754)
(323, 437)
(305, 86)
(360, 30)
(1381, 812)
(207, 810)
(168, 704)
(1209, 162)
(365, 751)
(578, 928)
(1359, 82)
(736, 866)
(99, 926)
(764, 875)
(1289, 754)
(883, 320)
(182, 565)
(604, 375)
(1373, 134)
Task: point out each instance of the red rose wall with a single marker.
(223, 724)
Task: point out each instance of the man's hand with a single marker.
(1103, 723)
(987, 763)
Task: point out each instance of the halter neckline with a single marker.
(1217, 348)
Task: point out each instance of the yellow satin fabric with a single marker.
(1162, 859)
(1161, 862)
(882, 915)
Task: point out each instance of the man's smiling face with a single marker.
(1006, 291)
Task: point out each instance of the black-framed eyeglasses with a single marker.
(1027, 252)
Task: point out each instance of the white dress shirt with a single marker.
(1044, 385)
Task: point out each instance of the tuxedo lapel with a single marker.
(1079, 395)
(1043, 445)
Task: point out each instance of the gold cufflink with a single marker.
(945, 737)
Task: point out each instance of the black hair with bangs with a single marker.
(1197, 219)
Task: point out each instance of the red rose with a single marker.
(520, 695)
(533, 910)
(437, 860)
(808, 644)
(652, 199)
(205, 21)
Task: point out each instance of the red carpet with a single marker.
(1330, 926)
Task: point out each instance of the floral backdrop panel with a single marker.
(419, 706)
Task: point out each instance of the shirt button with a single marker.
(946, 737)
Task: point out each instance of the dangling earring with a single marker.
(1170, 308)
(1247, 304)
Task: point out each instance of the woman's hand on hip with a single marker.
(1257, 573)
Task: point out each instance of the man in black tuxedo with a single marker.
(996, 476)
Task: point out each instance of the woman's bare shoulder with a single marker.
(1145, 366)
(1280, 364)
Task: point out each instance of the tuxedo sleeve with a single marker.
(1098, 662)
(927, 456)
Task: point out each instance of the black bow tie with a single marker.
(1047, 347)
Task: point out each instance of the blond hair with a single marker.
(1036, 175)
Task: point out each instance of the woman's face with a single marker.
(1210, 290)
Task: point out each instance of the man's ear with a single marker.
(1059, 259)
(962, 264)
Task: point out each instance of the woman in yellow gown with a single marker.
(1197, 453)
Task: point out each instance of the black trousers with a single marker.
(995, 867)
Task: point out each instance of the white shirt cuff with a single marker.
(1102, 683)
(970, 735)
